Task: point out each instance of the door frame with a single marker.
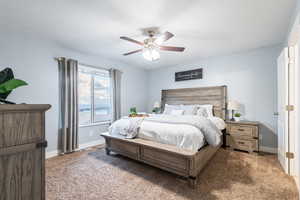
(292, 140)
(283, 119)
(294, 41)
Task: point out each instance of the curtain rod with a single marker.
(80, 63)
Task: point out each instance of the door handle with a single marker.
(276, 113)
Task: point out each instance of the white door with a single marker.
(282, 84)
(293, 61)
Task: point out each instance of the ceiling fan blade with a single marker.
(131, 40)
(166, 36)
(132, 52)
(168, 48)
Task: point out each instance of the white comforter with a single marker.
(187, 131)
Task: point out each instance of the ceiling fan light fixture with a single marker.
(151, 54)
(151, 46)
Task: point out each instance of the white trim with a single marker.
(268, 149)
(297, 111)
(90, 144)
(96, 124)
(51, 154)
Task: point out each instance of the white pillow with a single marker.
(208, 108)
(168, 108)
(189, 109)
(177, 112)
(202, 112)
(220, 123)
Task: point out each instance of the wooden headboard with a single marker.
(216, 96)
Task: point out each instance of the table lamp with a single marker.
(156, 107)
(233, 105)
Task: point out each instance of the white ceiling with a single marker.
(205, 27)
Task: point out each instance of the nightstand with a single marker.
(243, 135)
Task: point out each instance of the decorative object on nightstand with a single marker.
(233, 105)
(243, 135)
(237, 117)
(132, 111)
(156, 107)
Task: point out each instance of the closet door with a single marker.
(282, 88)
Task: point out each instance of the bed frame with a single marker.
(167, 157)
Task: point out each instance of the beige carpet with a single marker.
(92, 175)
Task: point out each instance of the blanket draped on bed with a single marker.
(129, 127)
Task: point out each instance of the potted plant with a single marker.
(237, 117)
(132, 112)
(156, 107)
(155, 110)
(7, 84)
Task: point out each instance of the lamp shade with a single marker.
(233, 105)
(156, 104)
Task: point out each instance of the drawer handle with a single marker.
(241, 142)
(240, 129)
(43, 144)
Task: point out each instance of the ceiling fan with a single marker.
(152, 45)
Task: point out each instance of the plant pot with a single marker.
(237, 119)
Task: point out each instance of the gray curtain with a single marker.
(68, 118)
(116, 77)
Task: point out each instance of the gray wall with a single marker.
(32, 60)
(251, 79)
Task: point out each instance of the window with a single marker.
(94, 95)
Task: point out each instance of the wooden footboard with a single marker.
(167, 157)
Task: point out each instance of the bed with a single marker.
(180, 161)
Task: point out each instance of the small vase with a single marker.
(237, 119)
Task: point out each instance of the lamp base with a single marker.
(232, 114)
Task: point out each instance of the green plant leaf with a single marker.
(11, 85)
(237, 114)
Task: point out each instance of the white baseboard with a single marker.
(268, 149)
(51, 154)
(91, 144)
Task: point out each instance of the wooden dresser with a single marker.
(243, 135)
(22, 152)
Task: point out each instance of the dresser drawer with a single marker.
(246, 145)
(21, 128)
(244, 131)
(249, 145)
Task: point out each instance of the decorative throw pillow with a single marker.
(208, 108)
(202, 112)
(177, 112)
(168, 108)
(189, 109)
